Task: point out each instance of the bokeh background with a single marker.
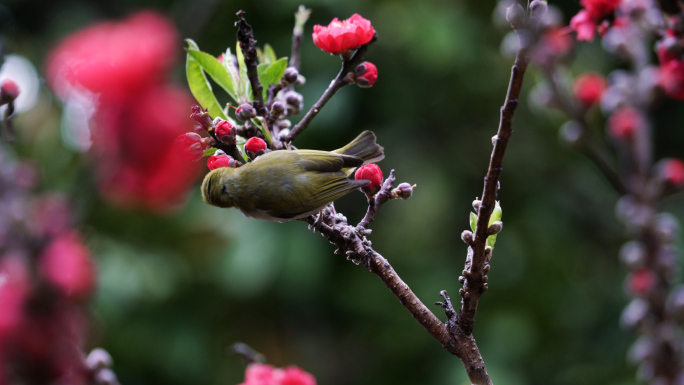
(177, 288)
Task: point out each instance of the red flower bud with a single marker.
(589, 87)
(672, 171)
(255, 144)
(339, 36)
(225, 132)
(66, 264)
(9, 90)
(373, 174)
(262, 374)
(624, 123)
(366, 74)
(191, 146)
(217, 161)
(641, 281)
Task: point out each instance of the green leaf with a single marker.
(215, 69)
(210, 151)
(245, 88)
(269, 54)
(271, 73)
(199, 85)
(495, 217)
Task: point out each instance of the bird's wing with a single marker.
(337, 185)
(325, 161)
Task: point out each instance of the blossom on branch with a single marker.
(262, 374)
(340, 36)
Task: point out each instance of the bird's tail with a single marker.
(364, 147)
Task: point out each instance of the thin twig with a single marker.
(245, 37)
(585, 144)
(377, 200)
(474, 285)
(301, 17)
(340, 81)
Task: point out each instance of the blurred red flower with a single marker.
(624, 123)
(342, 35)
(137, 115)
(66, 264)
(262, 374)
(115, 57)
(584, 25)
(599, 8)
(589, 87)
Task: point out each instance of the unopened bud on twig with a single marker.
(515, 14)
(461, 280)
(476, 205)
(290, 75)
(467, 237)
(277, 109)
(403, 191)
(538, 9)
(245, 112)
(633, 254)
(495, 228)
(98, 358)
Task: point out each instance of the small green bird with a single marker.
(286, 185)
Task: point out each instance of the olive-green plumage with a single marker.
(285, 185)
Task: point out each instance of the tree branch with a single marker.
(245, 37)
(475, 273)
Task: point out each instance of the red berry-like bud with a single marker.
(672, 171)
(245, 112)
(255, 144)
(342, 35)
(588, 88)
(373, 174)
(217, 161)
(641, 281)
(225, 132)
(191, 146)
(624, 123)
(10, 91)
(366, 74)
(66, 264)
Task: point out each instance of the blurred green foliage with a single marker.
(175, 291)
